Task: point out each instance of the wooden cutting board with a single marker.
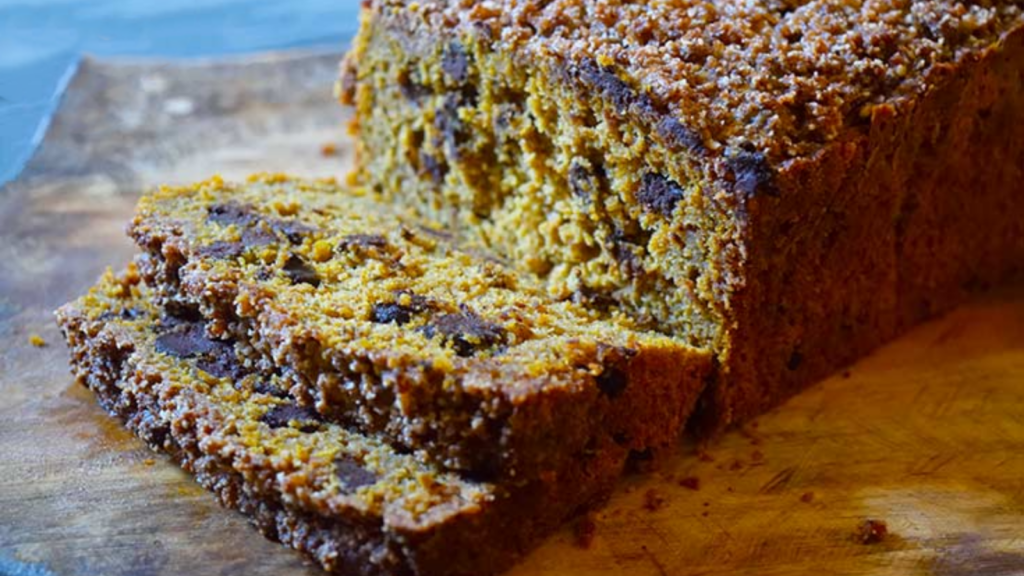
(927, 435)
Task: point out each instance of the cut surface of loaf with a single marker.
(384, 324)
(790, 184)
(349, 501)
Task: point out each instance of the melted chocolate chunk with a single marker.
(269, 389)
(391, 313)
(363, 241)
(281, 415)
(625, 254)
(387, 312)
(584, 183)
(293, 230)
(659, 194)
(123, 314)
(221, 362)
(263, 387)
(221, 250)
(614, 379)
(466, 331)
(452, 129)
(432, 167)
(455, 63)
(679, 137)
(232, 213)
(300, 272)
(412, 89)
(753, 173)
(186, 340)
(352, 475)
(608, 84)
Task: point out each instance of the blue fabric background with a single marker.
(41, 41)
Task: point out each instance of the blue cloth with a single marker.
(42, 40)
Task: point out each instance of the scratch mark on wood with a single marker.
(778, 482)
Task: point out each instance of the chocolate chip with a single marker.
(221, 250)
(186, 340)
(300, 272)
(269, 389)
(625, 254)
(293, 230)
(431, 166)
(123, 314)
(600, 300)
(584, 182)
(450, 126)
(232, 213)
(189, 340)
(391, 313)
(283, 414)
(659, 194)
(679, 137)
(753, 173)
(363, 241)
(607, 84)
(352, 475)
(466, 331)
(795, 360)
(221, 362)
(455, 63)
(614, 378)
(411, 89)
(395, 312)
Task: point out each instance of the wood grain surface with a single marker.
(926, 435)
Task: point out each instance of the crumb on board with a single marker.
(757, 456)
(586, 528)
(149, 462)
(872, 531)
(704, 456)
(329, 149)
(653, 500)
(691, 482)
(36, 340)
(846, 374)
(736, 464)
(807, 497)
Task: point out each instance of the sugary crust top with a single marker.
(777, 77)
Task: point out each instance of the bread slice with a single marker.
(791, 184)
(349, 501)
(381, 323)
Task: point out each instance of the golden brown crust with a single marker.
(828, 207)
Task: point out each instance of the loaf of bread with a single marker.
(788, 183)
(349, 501)
(379, 322)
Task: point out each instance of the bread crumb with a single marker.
(36, 340)
(329, 149)
(807, 497)
(872, 531)
(757, 456)
(703, 456)
(149, 462)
